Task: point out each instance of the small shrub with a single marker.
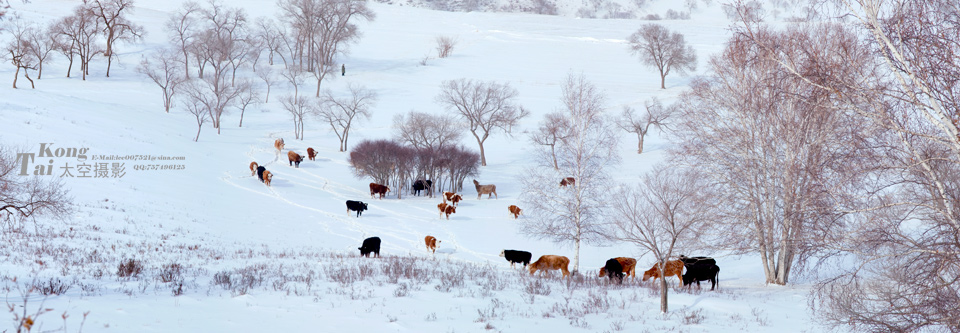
(537, 287)
(171, 273)
(129, 268)
(402, 290)
(53, 286)
(445, 45)
(691, 317)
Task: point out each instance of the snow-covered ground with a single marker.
(283, 258)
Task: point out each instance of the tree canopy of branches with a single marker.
(164, 70)
(426, 131)
(111, 15)
(656, 115)
(779, 153)
(79, 34)
(898, 72)
(322, 31)
(665, 50)
(389, 162)
(27, 197)
(572, 214)
(666, 212)
(19, 50)
(485, 106)
(341, 112)
(553, 129)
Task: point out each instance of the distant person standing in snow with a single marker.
(343, 69)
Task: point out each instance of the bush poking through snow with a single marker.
(130, 268)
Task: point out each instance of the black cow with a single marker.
(357, 206)
(421, 185)
(702, 272)
(687, 261)
(371, 244)
(614, 269)
(260, 170)
(514, 256)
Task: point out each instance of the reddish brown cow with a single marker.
(489, 190)
(311, 154)
(446, 209)
(253, 168)
(267, 177)
(629, 267)
(568, 181)
(515, 211)
(452, 197)
(278, 143)
(294, 158)
(378, 189)
(431, 243)
(550, 262)
(674, 267)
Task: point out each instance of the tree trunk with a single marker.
(15, 76)
(553, 152)
(26, 75)
(640, 143)
(663, 288)
(576, 256)
(70, 66)
(197, 138)
(39, 70)
(109, 62)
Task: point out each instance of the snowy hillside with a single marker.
(244, 257)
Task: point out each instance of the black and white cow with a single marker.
(515, 256)
(702, 272)
(356, 206)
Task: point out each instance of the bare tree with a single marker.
(426, 131)
(340, 113)
(665, 50)
(266, 74)
(898, 72)
(486, 107)
(80, 33)
(116, 27)
(665, 213)
(196, 107)
(28, 197)
(163, 68)
(183, 27)
(20, 51)
(299, 107)
(43, 43)
(216, 98)
(657, 116)
(445, 45)
(249, 95)
(780, 154)
(374, 159)
(554, 129)
(323, 30)
(573, 215)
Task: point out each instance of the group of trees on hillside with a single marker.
(398, 165)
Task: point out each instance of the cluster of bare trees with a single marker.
(93, 28)
(397, 165)
(583, 146)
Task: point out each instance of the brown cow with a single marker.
(489, 190)
(446, 209)
(674, 267)
(311, 154)
(378, 189)
(550, 262)
(294, 158)
(278, 143)
(568, 181)
(267, 177)
(629, 267)
(515, 211)
(452, 197)
(431, 243)
(253, 168)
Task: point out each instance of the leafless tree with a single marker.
(554, 129)
(43, 43)
(249, 95)
(341, 112)
(445, 45)
(215, 96)
(112, 17)
(665, 213)
(780, 154)
(573, 215)
(426, 131)
(163, 68)
(299, 107)
(485, 106)
(665, 50)
(19, 51)
(899, 72)
(28, 197)
(374, 159)
(657, 116)
(196, 107)
(323, 30)
(183, 27)
(80, 33)
(266, 74)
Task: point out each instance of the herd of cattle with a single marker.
(697, 268)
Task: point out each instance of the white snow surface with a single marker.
(215, 217)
